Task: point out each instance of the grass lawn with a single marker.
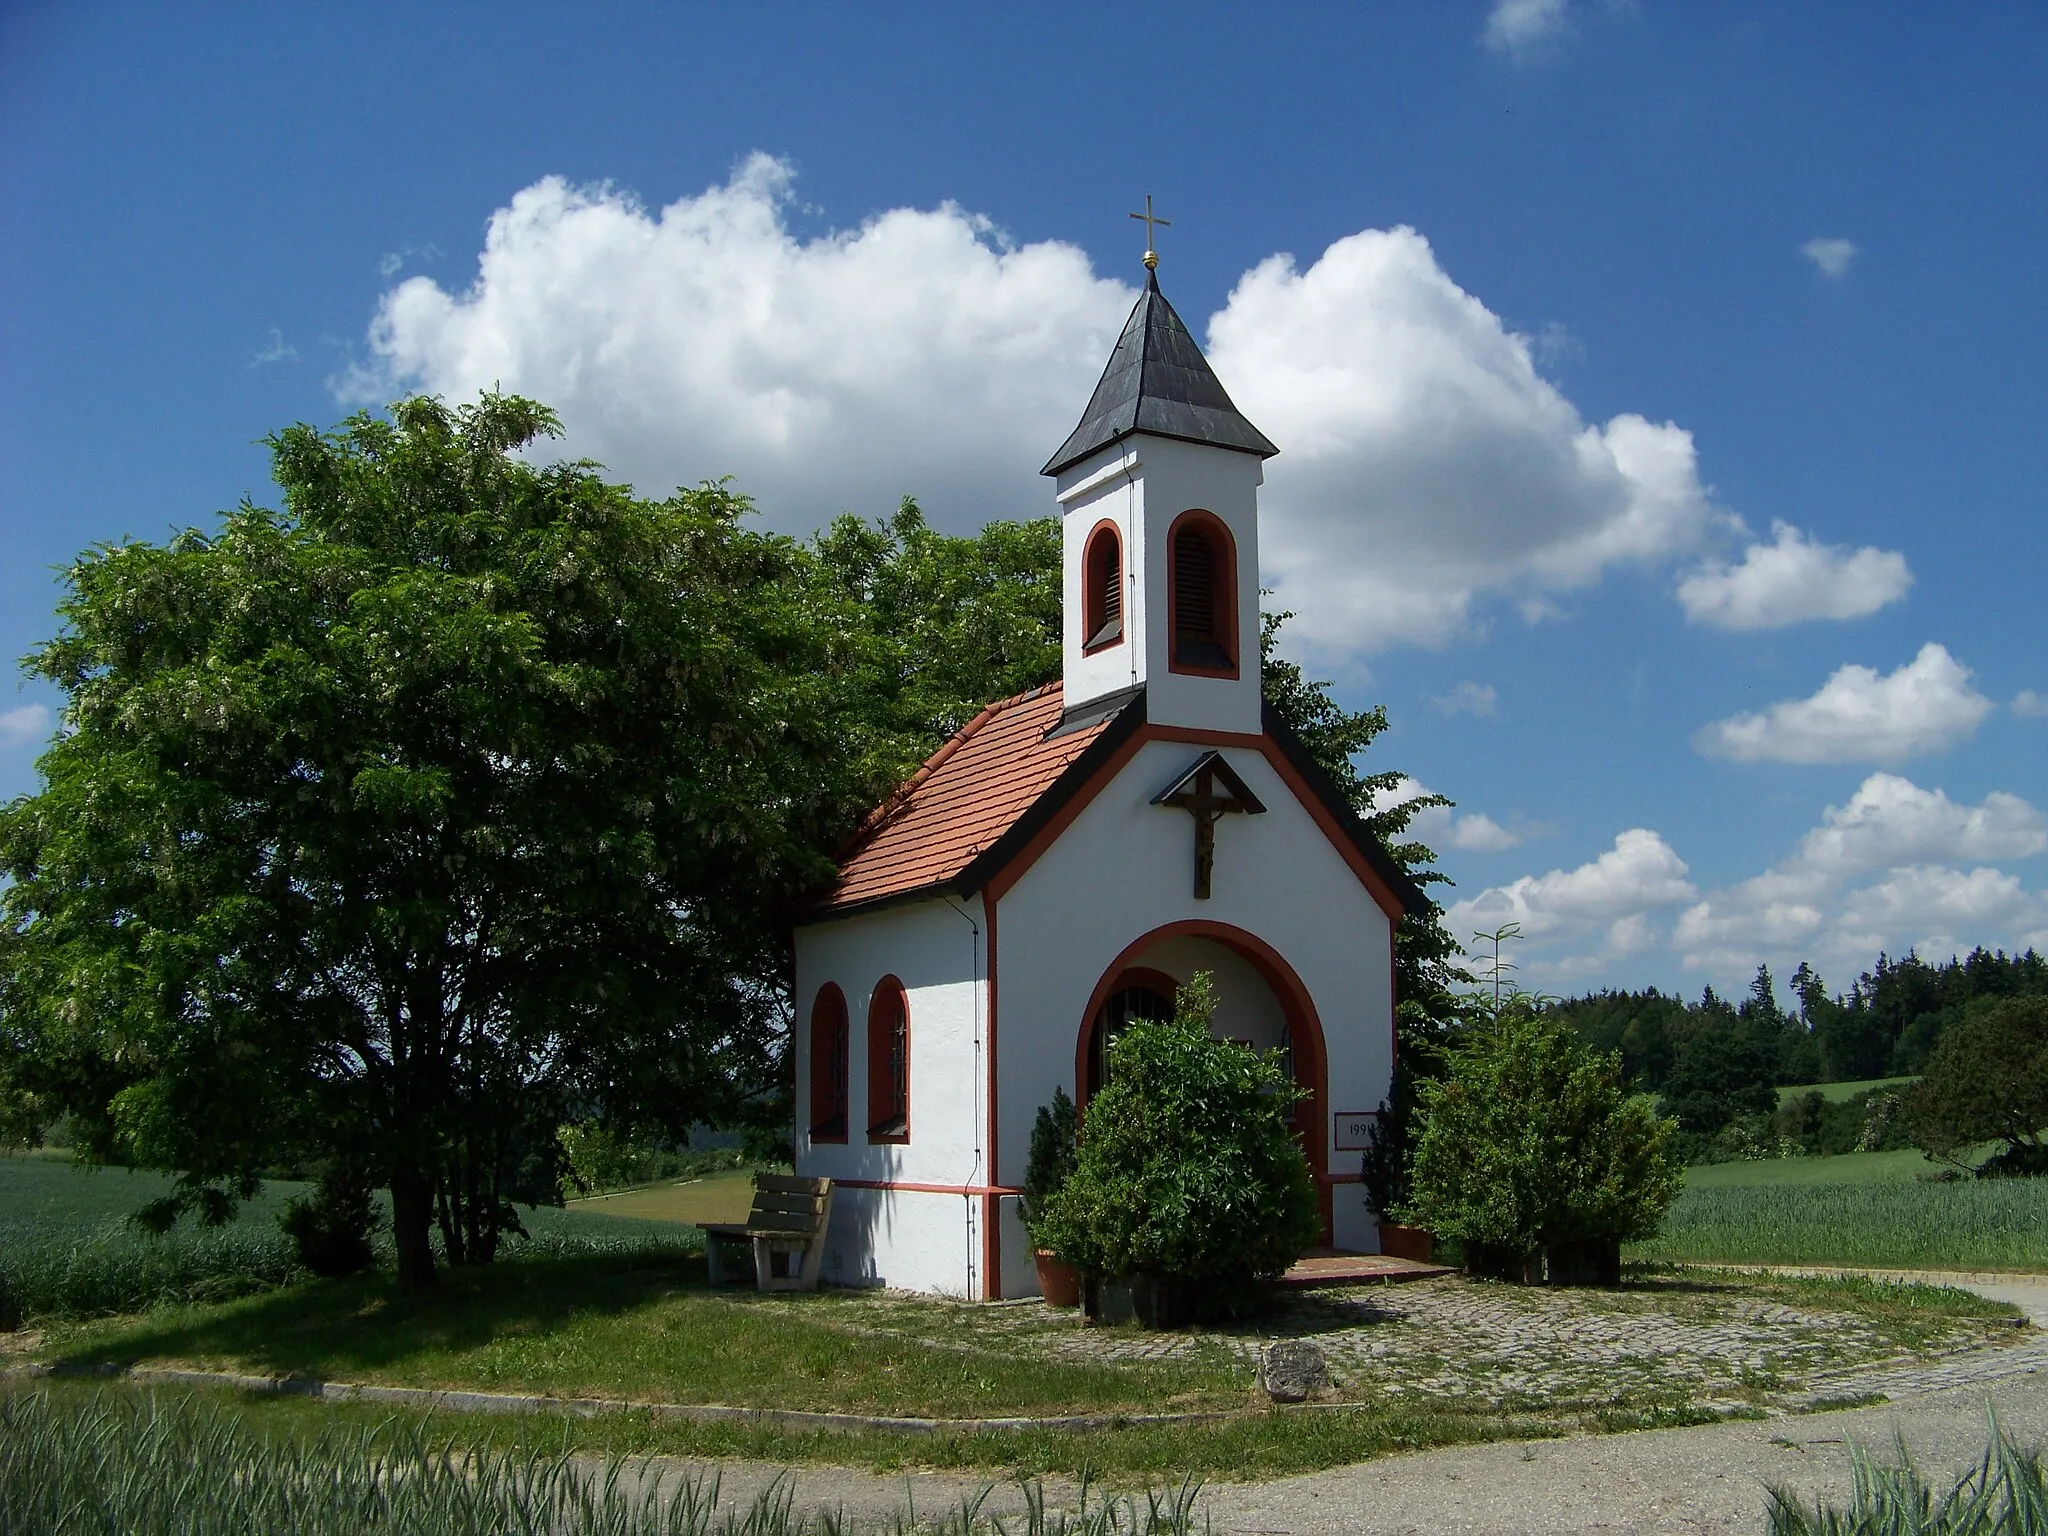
(716, 1197)
(1848, 1168)
(1836, 1093)
(653, 1331)
(1440, 1363)
(1881, 1209)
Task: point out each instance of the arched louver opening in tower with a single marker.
(1204, 600)
(1102, 590)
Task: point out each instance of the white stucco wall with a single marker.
(1142, 484)
(921, 1240)
(1125, 868)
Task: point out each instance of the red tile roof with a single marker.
(968, 794)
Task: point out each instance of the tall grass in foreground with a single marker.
(150, 1466)
(2004, 1495)
(1965, 1224)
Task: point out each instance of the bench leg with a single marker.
(711, 1259)
(814, 1258)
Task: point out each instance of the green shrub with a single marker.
(1188, 1167)
(1533, 1152)
(330, 1231)
(1053, 1151)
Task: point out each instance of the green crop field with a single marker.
(1880, 1209)
(68, 1249)
(1836, 1093)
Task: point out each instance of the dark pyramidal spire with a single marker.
(1158, 381)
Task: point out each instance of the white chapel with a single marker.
(1075, 853)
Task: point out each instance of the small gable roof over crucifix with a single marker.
(1236, 796)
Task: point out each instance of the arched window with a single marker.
(829, 1048)
(1102, 589)
(888, 1062)
(1139, 994)
(1202, 571)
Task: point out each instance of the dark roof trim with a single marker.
(991, 861)
(1081, 716)
(1403, 885)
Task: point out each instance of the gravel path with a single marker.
(1710, 1478)
(1706, 1479)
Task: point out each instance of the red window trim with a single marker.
(831, 1103)
(1226, 593)
(1092, 605)
(882, 1106)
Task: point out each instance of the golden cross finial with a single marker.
(1150, 219)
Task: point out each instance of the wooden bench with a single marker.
(788, 1219)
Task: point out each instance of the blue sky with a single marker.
(1557, 312)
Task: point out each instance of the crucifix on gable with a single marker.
(1207, 790)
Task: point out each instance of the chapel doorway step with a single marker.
(1339, 1266)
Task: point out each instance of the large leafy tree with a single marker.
(1987, 1081)
(951, 623)
(460, 792)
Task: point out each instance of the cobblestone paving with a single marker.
(1455, 1339)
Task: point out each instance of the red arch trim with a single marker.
(1305, 1028)
(828, 1014)
(1092, 614)
(1226, 592)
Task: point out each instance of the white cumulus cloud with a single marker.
(1858, 715)
(917, 353)
(1614, 895)
(2030, 703)
(1426, 465)
(1425, 462)
(1793, 579)
(1804, 908)
(1468, 698)
(30, 722)
(1829, 254)
(1891, 821)
(1442, 827)
(1523, 29)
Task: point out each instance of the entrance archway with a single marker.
(1260, 1002)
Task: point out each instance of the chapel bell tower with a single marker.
(1159, 498)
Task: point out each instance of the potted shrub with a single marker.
(1189, 1188)
(1045, 1172)
(1536, 1157)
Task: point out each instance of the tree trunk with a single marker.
(412, 1210)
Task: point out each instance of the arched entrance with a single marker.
(1261, 1002)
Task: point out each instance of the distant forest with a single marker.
(1717, 1063)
